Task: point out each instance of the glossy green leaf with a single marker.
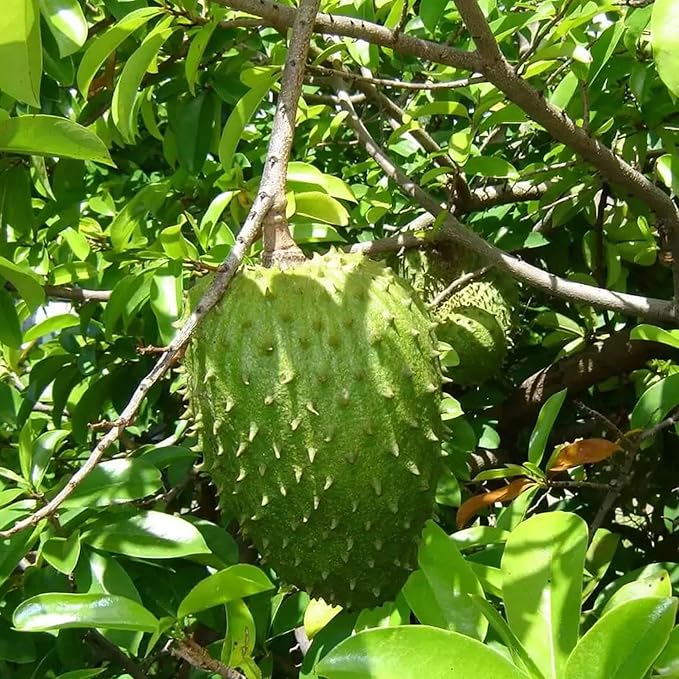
(166, 299)
(543, 427)
(242, 633)
(451, 581)
(42, 450)
(102, 46)
(497, 622)
(664, 30)
(655, 403)
(123, 109)
(305, 173)
(625, 642)
(322, 207)
(440, 108)
(667, 170)
(16, 208)
(667, 663)
(25, 281)
(542, 569)
(15, 548)
(10, 327)
(114, 482)
(21, 47)
(431, 12)
(234, 582)
(408, 652)
(652, 333)
(239, 118)
(148, 199)
(207, 229)
(192, 121)
(61, 611)
(195, 53)
(52, 324)
(82, 674)
(654, 585)
(487, 166)
(45, 135)
(62, 553)
(147, 534)
(67, 23)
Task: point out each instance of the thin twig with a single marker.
(77, 294)
(399, 84)
(194, 654)
(273, 178)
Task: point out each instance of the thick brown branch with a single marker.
(615, 355)
(282, 17)
(194, 654)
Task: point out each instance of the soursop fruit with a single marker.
(477, 320)
(318, 388)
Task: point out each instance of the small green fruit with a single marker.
(318, 388)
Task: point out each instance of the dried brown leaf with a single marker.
(586, 451)
(470, 508)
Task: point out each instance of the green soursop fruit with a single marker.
(477, 320)
(318, 388)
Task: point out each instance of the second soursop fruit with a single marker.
(477, 320)
(319, 388)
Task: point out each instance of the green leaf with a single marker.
(654, 585)
(51, 325)
(102, 46)
(25, 281)
(62, 553)
(148, 199)
(166, 299)
(239, 118)
(664, 30)
(655, 403)
(234, 582)
(305, 173)
(114, 482)
(543, 427)
(54, 611)
(195, 53)
(440, 108)
(321, 206)
(625, 642)
(414, 651)
(21, 47)
(10, 327)
(667, 663)
(498, 623)
(487, 166)
(123, 109)
(67, 24)
(667, 169)
(44, 135)
(43, 448)
(207, 229)
(13, 549)
(82, 674)
(315, 233)
(192, 121)
(451, 581)
(431, 12)
(147, 535)
(542, 569)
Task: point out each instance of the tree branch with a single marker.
(194, 654)
(562, 128)
(282, 17)
(273, 177)
(453, 230)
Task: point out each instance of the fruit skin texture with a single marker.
(319, 388)
(477, 320)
